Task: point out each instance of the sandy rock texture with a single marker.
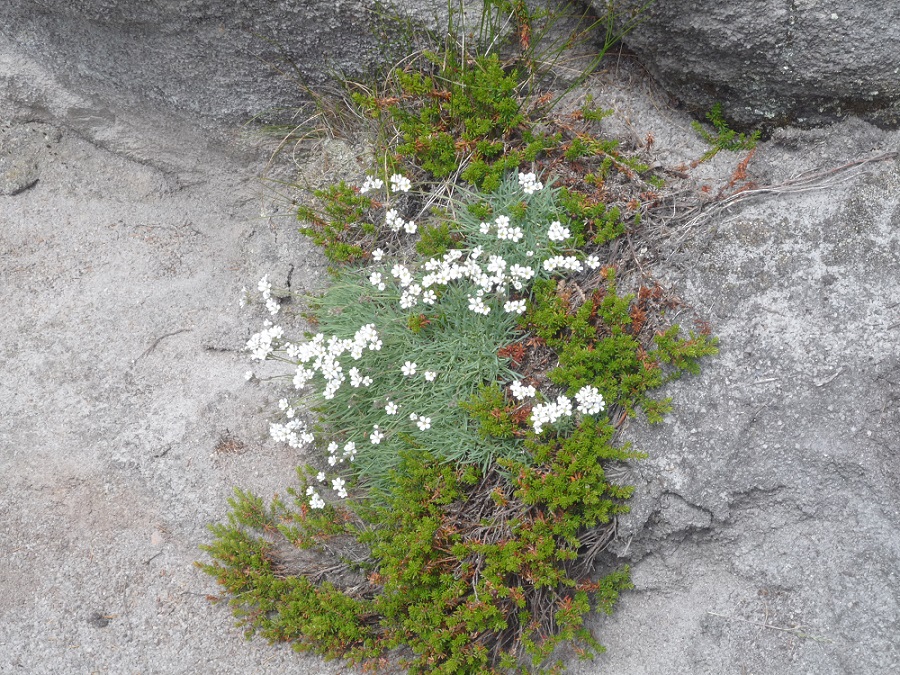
(763, 531)
(774, 63)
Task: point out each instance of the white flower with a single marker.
(549, 413)
(273, 306)
(521, 272)
(529, 254)
(338, 484)
(377, 280)
(377, 255)
(515, 307)
(430, 375)
(410, 227)
(477, 305)
(400, 183)
(592, 261)
(413, 416)
(521, 391)
(356, 380)
(429, 297)
(332, 460)
(316, 502)
(371, 184)
(484, 228)
(476, 253)
(409, 369)
(590, 401)
(391, 408)
(563, 262)
(393, 220)
(248, 375)
(424, 423)
(376, 436)
(557, 232)
(529, 183)
(263, 343)
(265, 287)
(320, 477)
(496, 264)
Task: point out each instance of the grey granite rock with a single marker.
(228, 61)
(773, 62)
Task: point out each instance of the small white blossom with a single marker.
(484, 228)
(265, 287)
(592, 261)
(273, 306)
(549, 413)
(393, 220)
(515, 307)
(391, 408)
(477, 305)
(377, 255)
(529, 183)
(248, 375)
(409, 369)
(337, 485)
(376, 436)
(263, 343)
(521, 391)
(371, 184)
(316, 502)
(430, 375)
(320, 477)
(400, 183)
(410, 227)
(557, 232)
(424, 423)
(590, 401)
(429, 297)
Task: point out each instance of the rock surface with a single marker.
(773, 63)
(226, 61)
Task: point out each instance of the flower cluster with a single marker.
(549, 413)
(263, 343)
(348, 452)
(294, 432)
(322, 356)
(393, 220)
(557, 232)
(521, 391)
(589, 399)
(371, 184)
(265, 287)
(563, 262)
(399, 183)
(529, 183)
(504, 231)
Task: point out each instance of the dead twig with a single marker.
(796, 631)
